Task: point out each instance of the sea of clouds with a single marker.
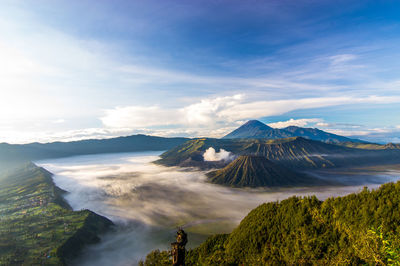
(148, 202)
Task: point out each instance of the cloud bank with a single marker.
(148, 201)
(215, 117)
(295, 122)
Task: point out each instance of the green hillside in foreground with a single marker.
(37, 227)
(358, 229)
(258, 171)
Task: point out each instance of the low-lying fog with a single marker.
(148, 202)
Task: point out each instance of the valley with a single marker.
(148, 202)
(204, 185)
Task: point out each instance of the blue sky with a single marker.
(83, 69)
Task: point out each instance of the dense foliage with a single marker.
(157, 258)
(362, 228)
(36, 226)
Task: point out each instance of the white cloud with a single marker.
(211, 114)
(140, 116)
(211, 155)
(295, 122)
(46, 73)
(256, 109)
(209, 111)
(348, 133)
(362, 132)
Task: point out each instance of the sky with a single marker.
(96, 69)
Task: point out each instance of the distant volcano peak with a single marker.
(255, 123)
(254, 129)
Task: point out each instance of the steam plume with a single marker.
(211, 155)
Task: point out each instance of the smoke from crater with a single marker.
(211, 155)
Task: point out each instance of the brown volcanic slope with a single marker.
(258, 171)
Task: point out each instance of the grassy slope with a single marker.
(36, 225)
(358, 229)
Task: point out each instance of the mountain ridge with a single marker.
(295, 153)
(258, 130)
(37, 151)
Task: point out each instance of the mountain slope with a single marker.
(255, 129)
(357, 229)
(257, 171)
(37, 227)
(305, 231)
(317, 134)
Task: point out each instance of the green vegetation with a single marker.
(37, 227)
(358, 229)
(157, 258)
(295, 153)
(387, 247)
(257, 171)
